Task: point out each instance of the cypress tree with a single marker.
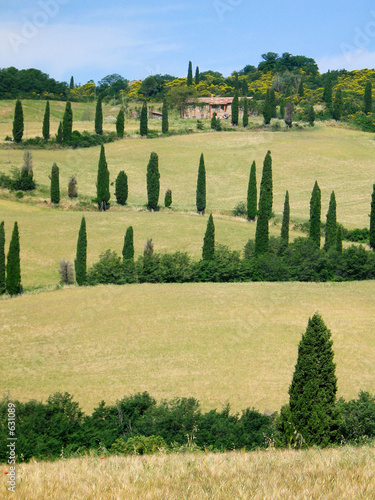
(266, 189)
(72, 187)
(285, 223)
(245, 119)
(2, 258)
(164, 118)
(201, 187)
(102, 184)
(153, 182)
(18, 122)
(67, 124)
(252, 194)
(339, 240)
(208, 250)
(267, 108)
(59, 135)
(368, 98)
(13, 269)
(282, 108)
(46, 122)
(214, 121)
(327, 93)
(273, 103)
(55, 184)
(311, 115)
(128, 248)
(197, 76)
(121, 190)
(189, 80)
(235, 109)
(331, 224)
(244, 88)
(143, 127)
(288, 118)
(301, 90)
(80, 263)
(312, 393)
(372, 220)
(315, 215)
(71, 85)
(168, 198)
(338, 105)
(120, 123)
(99, 117)
(262, 230)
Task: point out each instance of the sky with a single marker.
(91, 39)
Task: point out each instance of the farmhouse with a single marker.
(205, 107)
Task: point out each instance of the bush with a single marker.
(108, 270)
(139, 445)
(358, 418)
(240, 209)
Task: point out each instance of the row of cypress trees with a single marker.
(10, 273)
(143, 124)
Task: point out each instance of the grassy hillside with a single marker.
(220, 343)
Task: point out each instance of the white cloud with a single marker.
(350, 60)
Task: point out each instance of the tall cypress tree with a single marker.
(71, 85)
(120, 123)
(153, 182)
(372, 219)
(46, 119)
(208, 250)
(201, 187)
(67, 124)
(99, 117)
(245, 119)
(189, 80)
(266, 188)
(367, 98)
(312, 393)
(244, 88)
(273, 103)
(311, 115)
(267, 108)
(338, 105)
(197, 75)
(102, 183)
(128, 248)
(121, 190)
(80, 263)
(13, 269)
(331, 224)
(285, 223)
(164, 118)
(282, 108)
(55, 184)
(143, 126)
(2, 258)
(262, 229)
(301, 90)
(327, 93)
(18, 122)
(315, 214)
(252, 194)
(235, 109)
(59, 135)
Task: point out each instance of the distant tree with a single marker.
(267, 108)
(208, 250)
(55, 184)
(168, 198)
(339, 239)
(197, 76)
(311, 115)
(244, 88)
(13, 268)
(121, 190)
(189, 80)
(18, 122)
(143, 127)
(2, 258)
(266, 186)
(164, 118)
(59, 135)
(288, 114)
(235, 109)
(368, 98)
(214, 121)
(338, 105)
(301, 90)
(128, 248)
(148, 250)
(25, 181)
(46, 119)
(201, 187)
(285, 223)
(372, 219)
(67, 124)
(71, 85)
(331, 224)
(245, 119)
(327, 93)
(80, 263)
(120, 123)
(66, 271)
(282, 108)
(252, 194)
(72, 187)
(262, 229)
(102, 183)
(153, 182)
(315, 214)
(99, 117)
(273, 103)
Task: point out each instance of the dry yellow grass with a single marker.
(333, 474)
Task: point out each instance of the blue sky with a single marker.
(91, 39)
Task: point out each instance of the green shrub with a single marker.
(240, 209)
(108, 270)
(139, 445)
(358, 418)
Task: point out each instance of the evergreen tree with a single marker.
(189, 81)
(315, 214)
(214, 121)
(338, 105)
(46, 122)
(67, 124)
(72, 187)
(143, 127)
(339, 239)
(153, 182)
(13, 269)
(245, 119)
(262, 229)
(235, 109)
(327, 93)
(301, 90)
(59, 135)
(71, 85)
(2, 258)
(55, 184)
(372, 220)
(168, 198)
(120, 123)
(128, 249)
(164, 118)
(201, 187)
(311, 115)
(266, 189)
(288, 118)
(102, 184)
(244, 88)
(285, 223)
(80, 263)
(18, 122)
(282, 108)
(368, 98)
(121, 190)
(267, 108)
(208, 250)
(312, 393)
(99, 117)
(197, 76)
(252, 194)
(331, 224)
(273, 103)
